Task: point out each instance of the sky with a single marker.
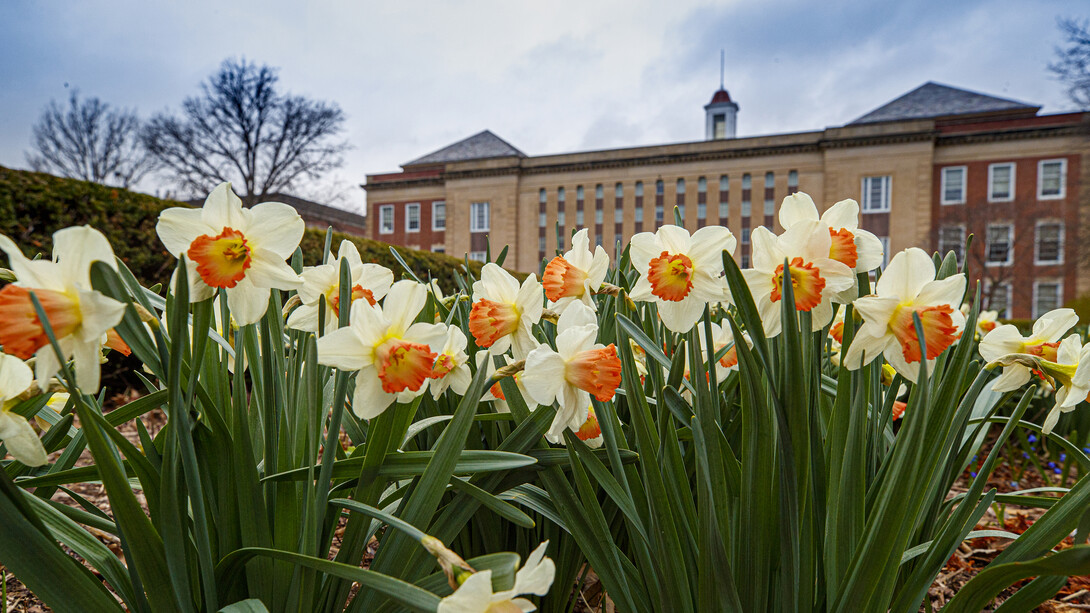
(548, 77)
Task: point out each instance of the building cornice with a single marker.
(1017, 134)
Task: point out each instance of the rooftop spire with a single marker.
(722, 65)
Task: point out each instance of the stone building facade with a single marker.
(928, 169)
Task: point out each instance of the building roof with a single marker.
(935, 100)
(720, 96)
(479, 146)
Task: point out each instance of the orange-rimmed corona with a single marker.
(221, 260)
(806, 283)
(22, 333)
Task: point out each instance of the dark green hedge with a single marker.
(34, 205)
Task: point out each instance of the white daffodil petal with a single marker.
(22, 442)
(223, 209)
(370, 400)
(473, 596)
(543, 376)
(405, 298)
(178, 227)
(267, 269)
(576, 316)
(708, 245)
(906, 274)
(276, 227)
(76, 248)
(15, 377)
(100, 313)
(247, 302)
(797, 207)
(85, 356)
(342, 349)
(944, 291)
(680, 317)
(1012, 378)
(1054, 324)
(537, 574)
(843, 214)
(1001, 341)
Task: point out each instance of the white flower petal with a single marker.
(21, 440)
(675, 239)
(536, 575)
(708, 245)
(843, 214)
(223, 209)
(277, 227)
(1054, 324)
(868, 250)
(268, 269)
(906, 274)
(178, 227)
(342, 349)
(86, 357)
(370, 400)
(76, 248)
(496, 284)
(247, 302)
(797, 207)
(15, 377)
(643, 248)
(473, 596)
(1001, 341)
(1012, 378)
(404, 301)
(577, 315)
(948, 291)
(680, 316)
(543, 376)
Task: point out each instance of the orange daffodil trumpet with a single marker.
(80, 316)
(576, 275)
(816, 279)
(15, 431)
(908, 287)
(504, 313)
(369, 282)
(849, 244)
(475, 594)
(681, 273)
(577, 369)
(241, 251)
(394, 356)
(1043, 341)
(722, 336)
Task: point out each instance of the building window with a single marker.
(541, 219)
(999, 297)
(724, 204)
(1001, 182)
(1000, 244)
(1051, 179)
(681, 186)
(953, 184)
(770, 180)
(658, 214)
(770, 207)
(598, 191)
(637, 214)
(478, 217)
(579, 218)
(792, 181)
(618, 214)
(701, 211)
(745, 260)
(561, 218)
(876, 194)
(745, 236)
(618, 190)
(597, 240)
(1049, 243)
(579, 192)
(702, 185)
(885, 250)
(541, 244)
(952, 238)
(561, 194)
(386, 219)
(598, 216)
(412, 217)
(438, 216)
(747, 181)
(478, 256)
(746, 207)
(719, 125)
(1047, 296)
(438, 248)
(541, 196)
(724, 183)
(660, 188)
(639, 188)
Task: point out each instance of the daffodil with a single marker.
(475, 594)
(504, 313)
(56, 402)
(238, 250)
(394, 356)
(322, 283)
(577, 369)
(681, 273)
(1067, 371)
(80, 316)
(1043, 341)
(722, 336)
(576, 275)
(15, 431)
(495, 393)
(850, 245)
(908, 287)
(450, 370)
(590, 432)
(816, 278)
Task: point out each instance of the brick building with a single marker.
(928, 169)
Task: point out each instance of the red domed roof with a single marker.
(720, 96)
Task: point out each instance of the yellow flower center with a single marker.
(938, 330)
(221, 260)
(806, 283)
(671, 276)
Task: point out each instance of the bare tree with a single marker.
(241, 129)
(90, 141)
(1072, 65)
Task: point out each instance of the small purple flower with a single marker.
(1032, 438)
(973, 474)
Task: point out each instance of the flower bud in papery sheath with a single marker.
(241, 251)
(79, 315)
